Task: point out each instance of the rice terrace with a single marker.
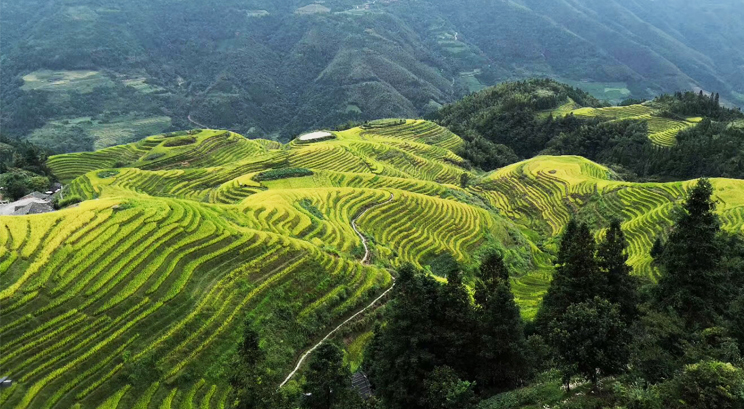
(135, 297)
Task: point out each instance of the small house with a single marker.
(34, 203)
(361, 384)
(5, 382)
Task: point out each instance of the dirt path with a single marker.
(364, 260)
(367, 254)
(197, 123)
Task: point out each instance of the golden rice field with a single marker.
(136, 297)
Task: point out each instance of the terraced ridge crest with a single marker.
(136, 297)
(662, 130)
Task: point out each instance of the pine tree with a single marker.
(250, 388)
(502, 361)
(401, 353)
(576, 278)
(657, 249)
(455, 327)
(328, 379)
(622, 286)
(692, 282)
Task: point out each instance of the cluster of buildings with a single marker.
(33, 203)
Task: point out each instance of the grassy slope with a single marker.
(147, 285)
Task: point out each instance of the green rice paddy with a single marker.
(136, 297)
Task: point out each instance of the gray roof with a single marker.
(33, 208)
(361, 384)
(27, 205)
(36, 195)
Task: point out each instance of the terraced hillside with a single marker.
(662, 130)
(136, 297)
(543, 193)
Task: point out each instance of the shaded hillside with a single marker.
(100, 73)
(673, 137)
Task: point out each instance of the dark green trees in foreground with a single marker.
(328, 383)
(676, 341)
(672, 345)
(438, 347)
(590, 305)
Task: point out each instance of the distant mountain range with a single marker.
(86, 74)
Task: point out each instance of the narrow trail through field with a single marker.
(196, 123)
(365, 260)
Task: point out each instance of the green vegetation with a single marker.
(141, 296)
(99, 73)
(520, 120)
(23, 169)
(284, 173)
(666, 346)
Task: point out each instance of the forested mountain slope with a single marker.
(137, 296)
(672, 137)
(85, 74)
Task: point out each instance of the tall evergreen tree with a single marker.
(501, 353)
(328, 384)
(576, 278)
(250, 387)
(456, 327)
(401, 354)
(612, 259)
(692, 282)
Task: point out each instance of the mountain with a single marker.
(87, 74)
(136, 297)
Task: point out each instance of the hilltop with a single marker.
(137, 295)
(92, 74)
(672, 137)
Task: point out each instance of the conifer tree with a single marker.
(612, 259)
(455, 327)
(401, 354)
(250, 387)
(328, 383)
(501, 352)
(657, 249)
(692, 282)
(576, 278)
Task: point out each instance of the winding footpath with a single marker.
(365, 260)
(196, 123)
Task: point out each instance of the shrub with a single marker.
(308, 205)
(179, 141)
(283, 173)
(706, 385)
(68, 201)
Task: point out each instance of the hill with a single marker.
(671, 137)
(136, 296)
(97, 73)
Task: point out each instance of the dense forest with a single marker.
(94, 73)
(514, 121)
(23, 169)
(602, 338)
